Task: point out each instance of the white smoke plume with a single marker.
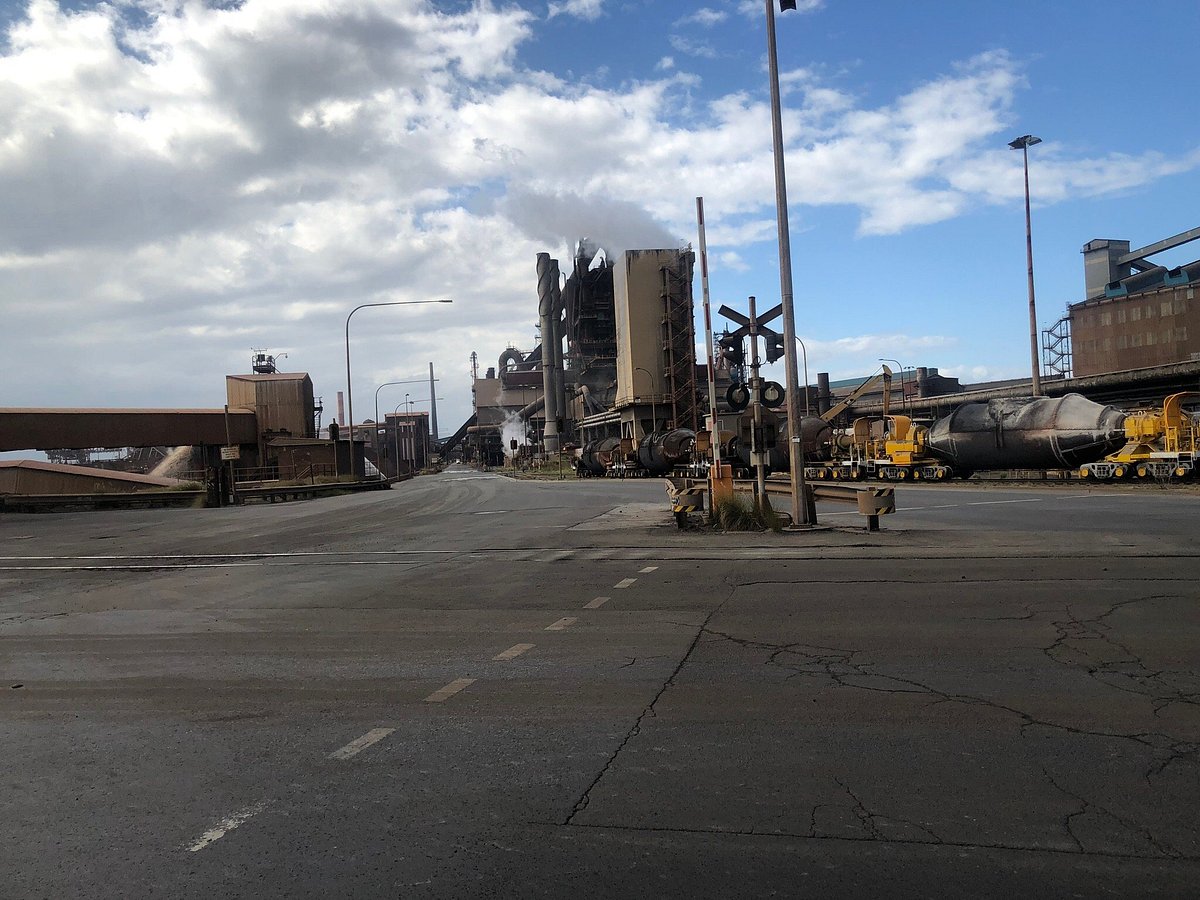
(615, 225)
(512, 429)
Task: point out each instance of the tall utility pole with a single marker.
(433, 426)
(1023, 143)
(802, 512)
(713, 427)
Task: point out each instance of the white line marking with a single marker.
(596, 604)
(624, 582)
(444, 693)
(227, 825)
(992, 502)
(361, 743)
(647, 570)
(512, 652)
(564, 622)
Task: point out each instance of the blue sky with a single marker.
(182, 182)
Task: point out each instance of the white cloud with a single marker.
(691, 47)
(731, 260)
(705, 17)
(665, 64)
(588, 10)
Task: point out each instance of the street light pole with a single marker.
(804, 351)
(349, 383)
(380, 388)
(802, 512)
(1023, 144)
(653, 408)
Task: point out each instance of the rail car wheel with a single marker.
(1120, 472)
(1182, 471)
(1142, 471)
(903, 475)
(916, 474)
(941, 473)
(857, 474)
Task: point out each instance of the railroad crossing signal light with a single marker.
(733, 349)
(774, 344)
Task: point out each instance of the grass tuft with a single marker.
(741, 513)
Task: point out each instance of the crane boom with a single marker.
(885, 376)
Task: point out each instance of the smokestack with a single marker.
(341, 410)
(547, 273)
(433, 429)
(824, 396)
(560, 375)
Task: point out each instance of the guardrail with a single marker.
(872, 501)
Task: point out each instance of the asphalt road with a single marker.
(472, 686)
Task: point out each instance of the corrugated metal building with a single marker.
(282, 401)
(1151, 328)
(1137, 314)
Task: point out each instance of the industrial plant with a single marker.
(613, 387)
(615, 383)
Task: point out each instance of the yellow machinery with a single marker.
(899, 453)
(1159, 443)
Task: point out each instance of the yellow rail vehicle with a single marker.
(899, 452)
(1159, 443)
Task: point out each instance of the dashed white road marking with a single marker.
(512, 652)
(564, 622)
(361, 743)
(624, 582)
(647, 570)
(596, 604)
(227, 825)
(444, 693)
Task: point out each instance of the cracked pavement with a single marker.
(945, 708)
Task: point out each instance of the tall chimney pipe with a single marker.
(547, 281)
(824, 395)
(560, 375)
(341, 409)
(432, 406)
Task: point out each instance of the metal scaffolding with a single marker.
(679, 343)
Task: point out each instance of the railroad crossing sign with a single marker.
(772, 338)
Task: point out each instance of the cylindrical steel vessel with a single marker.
(598, 454)
(1027, 433)
(661, 451)
(818, 437)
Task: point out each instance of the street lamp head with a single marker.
(1024, 141)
